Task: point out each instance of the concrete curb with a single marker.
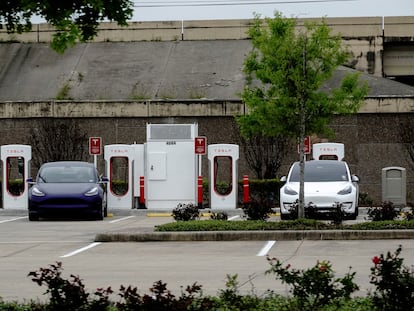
(285, 235)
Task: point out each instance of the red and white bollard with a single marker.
(200, 191)
(246, 190)
(141, 192)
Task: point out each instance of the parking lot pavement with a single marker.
(26, 246)
(151, 218)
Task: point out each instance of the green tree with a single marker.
(286, 71)
(75, 20)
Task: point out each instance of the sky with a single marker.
(176, 10)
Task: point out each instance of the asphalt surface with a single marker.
(28, 245)
(146, 233)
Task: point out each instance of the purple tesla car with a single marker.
(67, 188)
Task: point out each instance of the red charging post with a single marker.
(141, 191)
(200, 191)
(246, 189)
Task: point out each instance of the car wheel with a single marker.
(33, 216)
(285, 216)
(100, 213)
(354, 215)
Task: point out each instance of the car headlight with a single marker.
(346, 190)
(93, 191)
(289, 191)
(36, 192)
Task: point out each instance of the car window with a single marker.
(320, 172)
(67, 174)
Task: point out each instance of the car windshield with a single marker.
(320, 172)
(67, 174)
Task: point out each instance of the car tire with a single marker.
(33, 216)
(100, 213)
(354, 215)
(285, 216)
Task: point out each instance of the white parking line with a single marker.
(265, 249)
(13, 219)
(121, 219)
(81, 249)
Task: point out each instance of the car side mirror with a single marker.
(30, 181)
(355, 178)
(283, 179)
(104, 179)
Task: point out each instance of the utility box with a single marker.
(170, 165)
(394, 185)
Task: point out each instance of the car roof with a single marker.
(67, 163)
(323, 162)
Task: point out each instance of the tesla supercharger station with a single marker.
(16, 170)
(119, 162)
(223, 160)
(170, 166)
(328, 151)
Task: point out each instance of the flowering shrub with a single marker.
(394, 283)
(387, 211)
(68, 294)
(316, 286)
(186, 212)
(409, 215)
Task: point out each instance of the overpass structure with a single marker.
(191, 71)
(382, 46)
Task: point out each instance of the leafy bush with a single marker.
(263, 190)
(338, 214)
(316, 286)
(382, 225)
(159, 299)
(219, 216)
(394, 283)
(186, 212)
(313, 289)
(16, 186)
(231, 299)
(365, 200)
(68, 294)
(266, 190)
(257, 210)
(215, 225)
(298, 224)
(409, 215)
(387, 211)
(119, 187)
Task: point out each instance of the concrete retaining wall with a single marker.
(372, 140)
